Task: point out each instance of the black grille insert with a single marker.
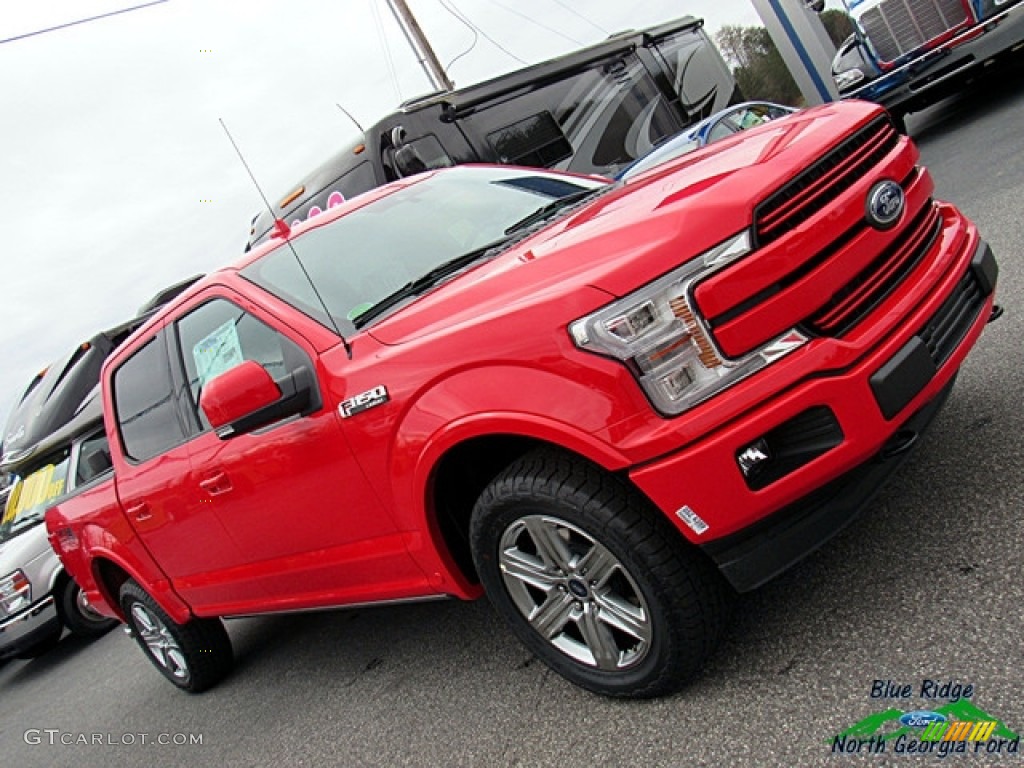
(880, 278)
(947, 328)
(817, 186)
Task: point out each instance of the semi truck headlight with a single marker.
(846, 80)
(658, 334)
(15, 593)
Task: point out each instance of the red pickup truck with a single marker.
(606, 405)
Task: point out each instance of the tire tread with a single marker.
(205, 642)
(696, 596)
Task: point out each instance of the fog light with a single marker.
(752, 458)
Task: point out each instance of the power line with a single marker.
(387, 49)
(487, 37)
(540, 24)
(476, 37)
(576, 13)
(80, 21)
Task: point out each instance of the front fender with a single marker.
(507, 400)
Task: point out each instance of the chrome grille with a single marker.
(897, 27)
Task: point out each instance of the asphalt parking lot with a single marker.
(926, 586)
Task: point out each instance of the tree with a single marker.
(758, 67)
(838, 25)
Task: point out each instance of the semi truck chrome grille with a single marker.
(816, 187)
(897, 27)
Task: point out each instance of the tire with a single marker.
(194, 656)
(593, 580)
(78, 616)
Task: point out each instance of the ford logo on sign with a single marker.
(885, 204)
(922, 717)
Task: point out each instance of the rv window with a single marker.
(536, 141)
(360, 179)
(699, 76)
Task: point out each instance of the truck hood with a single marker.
(639, 230)
(22, 549)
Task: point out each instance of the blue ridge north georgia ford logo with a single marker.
(885, 204)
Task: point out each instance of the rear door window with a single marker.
(147, 415)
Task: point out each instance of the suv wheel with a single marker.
(194, 656)
(80, 617)
(592, 579)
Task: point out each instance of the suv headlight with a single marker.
(15, 593)
(657, 332)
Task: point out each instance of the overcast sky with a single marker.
(116, 178)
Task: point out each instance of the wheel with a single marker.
(194, 656)
(78, 616)
(592, 579)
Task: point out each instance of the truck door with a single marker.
(185, 539)
(301, 517)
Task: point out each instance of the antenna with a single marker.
(282, 230)
(349, 116)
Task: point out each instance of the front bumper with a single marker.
(29, 627)
(942, 70)
(854, 426)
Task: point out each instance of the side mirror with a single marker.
(408, 161)
(247, 398)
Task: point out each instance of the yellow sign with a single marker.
(41, 486)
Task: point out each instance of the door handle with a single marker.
(139, 511)
(215, 484)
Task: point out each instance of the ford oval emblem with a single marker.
(921, 717)
(885, 204)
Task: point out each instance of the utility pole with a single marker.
(424, 53)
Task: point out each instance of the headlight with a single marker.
(657, 332)
(15, 593)
(848, 79)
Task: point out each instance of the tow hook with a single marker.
(997, 312)
(898, 444)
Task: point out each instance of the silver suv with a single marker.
(37, 597)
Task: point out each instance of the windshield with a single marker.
(31, 496)
(373, 252)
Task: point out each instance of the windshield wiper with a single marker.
(551, 208)
(425, 281)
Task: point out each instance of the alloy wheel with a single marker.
(575, 593)
(160, 642)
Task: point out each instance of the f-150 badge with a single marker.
(364, 401)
